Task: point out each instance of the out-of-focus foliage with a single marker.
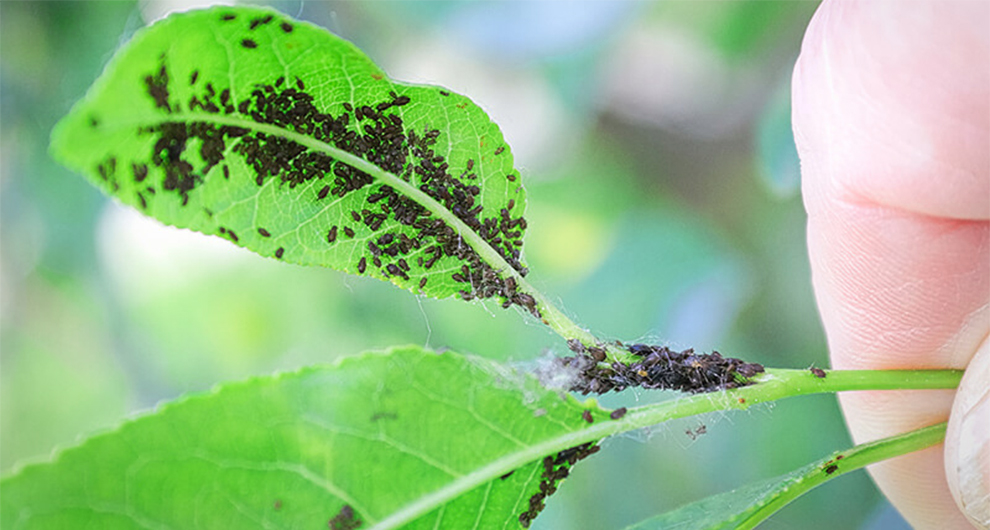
(636, 131)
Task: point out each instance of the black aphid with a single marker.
(264, 233)
(248, 43)
(348, 232)
(332, 234)
(831, 469)
(422, 283)
(618, 413)
(322, 194)
(499, 150)
(228, 17)
(362, 265)
(299, 83)
(226, 172)
(586, 415)
(195, 76)
(286, 27)
(345, 519)
(817, 372)
(279, 252)
(279, 81)
(444, 93)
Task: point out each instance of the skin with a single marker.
(891, 114)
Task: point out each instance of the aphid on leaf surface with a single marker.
(586, 415)
(618, 413)
(332, 234)
(279, 252)
(362, 265)
(348, 232)
(264, 233)
(831, 469)
(817, 372)
(323, 193)
(194, 77)
(499, 150)
(248, 43)
(228, 17)
(286, 27)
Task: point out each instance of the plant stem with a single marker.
(773, 385)
(839, 463)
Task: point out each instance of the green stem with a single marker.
(836, 464)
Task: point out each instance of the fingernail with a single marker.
(971, 455)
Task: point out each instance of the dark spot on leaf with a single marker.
(586, 416)
(444, 93)
(228, 17)
(264, 233)
(345, 519)
(286, 27)
(194, 77)
(259, 21)
(507, 475)
(362, 265)
(248, 43)
(831, 469)
(499, 150)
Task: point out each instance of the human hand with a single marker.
(892, 121)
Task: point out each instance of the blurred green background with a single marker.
(655, 142)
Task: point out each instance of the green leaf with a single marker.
(750, 505)
(287, 140)
(407, 439)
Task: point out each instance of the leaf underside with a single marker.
(404, 439)
(288, 141)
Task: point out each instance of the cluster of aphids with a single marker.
(374, 132)
(555, 469)
(657, 367)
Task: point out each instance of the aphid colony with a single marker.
(658, 367)
(555, 469)
(375, 133)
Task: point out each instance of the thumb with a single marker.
(967, 442)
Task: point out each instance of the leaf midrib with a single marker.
(480, 246)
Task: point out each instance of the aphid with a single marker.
(422, 283)
(332, 234)
(279, 252)
(511, 177)
(195, 76)
(362, 265)
(144, 203)
(226, 172)
(232, 235)
(499, 150)
(618, 413)
(228, 17)
(286, 27)
(586, 415)
(393, 269)
(323, 193)
(444, 93)
(248, 43)
(279, 81)
(356, 216)
(264, 233)
(831, 469)
(300, 84)
(348, 232)
(817, 372)
(507, 475)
